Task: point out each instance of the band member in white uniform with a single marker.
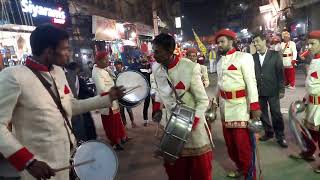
(41, 115)
(185, 77)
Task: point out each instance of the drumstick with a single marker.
(131, 89)
(74, 165)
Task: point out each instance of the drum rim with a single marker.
(103, 142)
(131, 106)
(148, 87)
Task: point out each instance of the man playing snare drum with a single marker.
(185, 77)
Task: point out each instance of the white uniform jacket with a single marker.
(237, 88)
(39, 129)
(289, 53)
(313, 94)
(104, 82)
(185, 76)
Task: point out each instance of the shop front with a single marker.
(21, 18)
(145, 36)
(118, 38)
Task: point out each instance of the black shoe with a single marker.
(282, 143)
(265, 137)
(118, 147)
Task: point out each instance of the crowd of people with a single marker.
(48, 103)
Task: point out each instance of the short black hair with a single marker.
(46, 36)
(261, 35)
(166, 41)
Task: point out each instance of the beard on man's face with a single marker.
(223, 50)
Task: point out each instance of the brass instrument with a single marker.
(297, 125)
(255, 126)
(211, 112)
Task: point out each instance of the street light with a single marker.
(133, 35)
(268, 17)
(120, 27)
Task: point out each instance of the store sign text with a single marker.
(58, 15)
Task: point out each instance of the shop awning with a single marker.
(16, 28)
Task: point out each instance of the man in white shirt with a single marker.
(269, 75)
(289, 57)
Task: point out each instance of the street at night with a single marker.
(159, 89)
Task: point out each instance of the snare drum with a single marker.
(136, 81)
(105, 163)
(177, 132)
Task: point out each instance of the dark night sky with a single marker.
(207, 16)
(200, 15)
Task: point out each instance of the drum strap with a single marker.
(57, 101)
(178, 98)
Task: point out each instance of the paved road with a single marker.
(137, 162)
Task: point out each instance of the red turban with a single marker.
(225, 32)
(100, 55)
(314, 34)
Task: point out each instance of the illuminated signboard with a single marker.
(58, 15)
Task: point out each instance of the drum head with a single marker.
(130, 80)
(105, 165)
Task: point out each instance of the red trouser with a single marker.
(290, 76)
(113, 126)
(311, 146)
(191, 168)
(240, 150)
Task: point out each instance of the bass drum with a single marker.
(136, 85)
(105, 161)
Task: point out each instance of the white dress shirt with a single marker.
(262, 57)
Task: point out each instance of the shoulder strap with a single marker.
(178, 98)
(56, 99)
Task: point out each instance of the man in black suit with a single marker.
(269, 75)
(83, 124)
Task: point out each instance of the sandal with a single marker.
(234, 174)
(301, 156)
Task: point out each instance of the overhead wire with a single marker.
(6, 11)
(14, 20)
(19, 12)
